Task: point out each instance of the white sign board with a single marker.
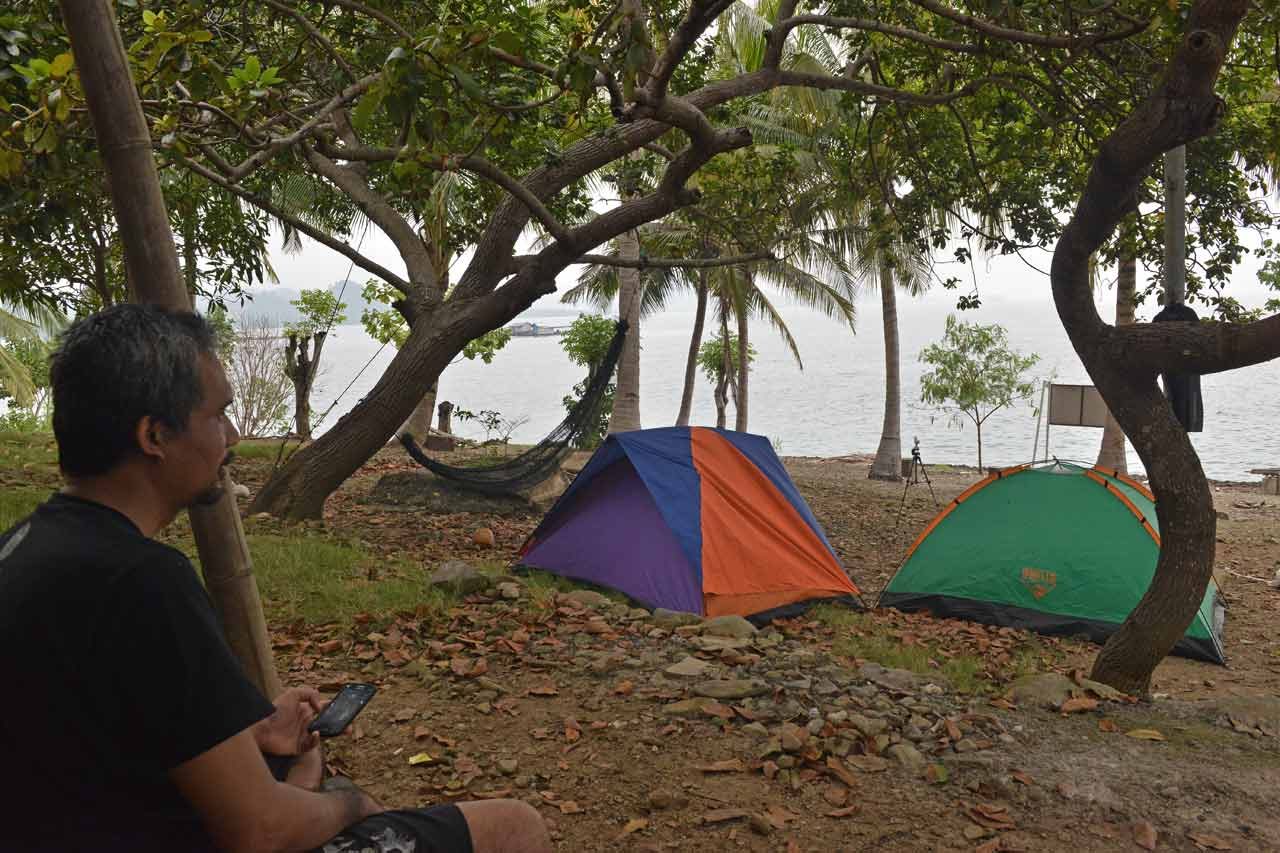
(1076, 405)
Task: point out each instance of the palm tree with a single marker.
(23, 320)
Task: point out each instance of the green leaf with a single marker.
(508, 41)
(252, 68)
(40, 67)
(199, 36)
(62, 63)
(366, 107)
(469, 84)
(148, 17)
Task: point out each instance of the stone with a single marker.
(815, 726)
(770, 748)
(868, 726)
(484, 537)
(739, 688)
(760, 824)
(729, 626)
(670, 619)
(460, 578)
(838, 716)
(825, 687)
(508, 766)
(920, 722)
(690, 667)
(588, 598)
(1045, 690)
(906, 755)
(793, 738)
(897, 679)
(933, 689)
(798, 684)
(967, 744)
(694, 707)
(756, 729)
(718, 644)
(509, 590)
(663, 800)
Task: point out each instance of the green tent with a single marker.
(1057, 548)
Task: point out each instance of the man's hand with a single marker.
(285, 731)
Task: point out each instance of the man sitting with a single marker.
(127, 723)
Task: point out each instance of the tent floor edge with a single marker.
(1049, 624)
(798, 608)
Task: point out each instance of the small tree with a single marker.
(720, 365)
(975, 373)
(388, 326)
(256, 371)
(28, 403)
(586, 342)
(319, 309)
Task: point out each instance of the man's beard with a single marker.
(214, 493)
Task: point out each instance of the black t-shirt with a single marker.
(113, 670)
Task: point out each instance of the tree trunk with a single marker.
(1175, 225)
(151, 261)
(626, 400)
(722, 379)
(1112, 453)
(980, 468)
(695, 343)
(744, 368)
(300, 368)
(888, 461)
(190, 263)
(1183, 107)
(419, 423)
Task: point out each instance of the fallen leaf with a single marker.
(716, 709)
(460, 667)
(421, 732)
(544, 690)
(1003, 704)
(991, 816)
(847, 811)
(1019, 776)
(936, 774)
(1145, 734)
(404, 715)
(1077, 705)
(834, 796)
(779, 816)
(624, 688)
(1145, 835)
(634, 825)
(953, 731)
(733, 765)
(1108, 726)
(329, 646)
(570, 807)
(572, 731)
(420, 758)
(834, 766)
(723, 815)
(991, 846)
(1208, 842)
(868, 763)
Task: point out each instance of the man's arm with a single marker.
(246, 809)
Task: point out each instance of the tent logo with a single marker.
(1039, 582)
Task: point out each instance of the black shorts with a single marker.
(439, 829)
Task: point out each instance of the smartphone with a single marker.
(339, 713)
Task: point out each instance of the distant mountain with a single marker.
(273, 303)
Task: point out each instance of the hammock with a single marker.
(535, 464)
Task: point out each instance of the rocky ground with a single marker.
(639, 731)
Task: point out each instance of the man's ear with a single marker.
(151, 436)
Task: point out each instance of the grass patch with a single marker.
(265, 448)
(318, 580)
(17, 503)
(963, 672)
(28, 448)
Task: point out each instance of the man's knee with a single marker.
(505, 826)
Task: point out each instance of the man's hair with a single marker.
(112, 369)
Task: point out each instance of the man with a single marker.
(127, 723)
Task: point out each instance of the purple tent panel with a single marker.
(613, 535)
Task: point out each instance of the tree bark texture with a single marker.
(1124, 361)
(626, 399)
(154, 276)
(695, 343)
(742, 403)
(1112, 452)
(888, 462)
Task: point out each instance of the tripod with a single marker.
(917, 471)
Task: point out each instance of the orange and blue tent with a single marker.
(692, 519)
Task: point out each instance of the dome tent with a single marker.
(1057, 548)
(699, 520)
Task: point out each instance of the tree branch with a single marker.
(414, 252)
(311, 231)
(315, 35)
(1022, 36)
(785, 26)
(676, 263)
(777, 38)
(375, 14)
(874, 90)
(701, 15)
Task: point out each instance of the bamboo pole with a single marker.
(155, 277)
